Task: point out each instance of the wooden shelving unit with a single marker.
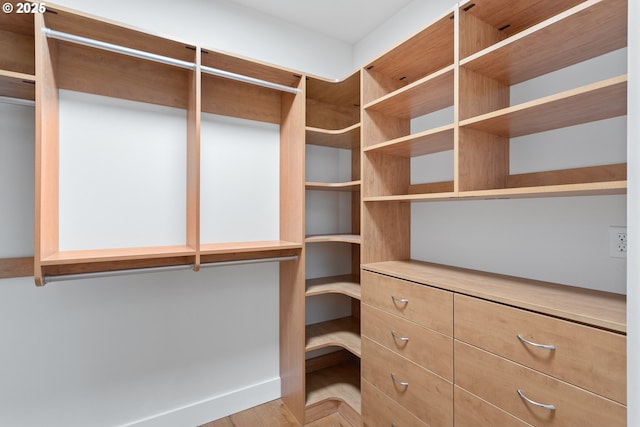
(333, 121)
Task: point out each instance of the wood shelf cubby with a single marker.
(344, 333)
(17, 56)
(345, 284)
(347, 138)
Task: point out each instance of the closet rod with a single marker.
(17, 101)
(59, 35)
(246, 79)
(114, 273)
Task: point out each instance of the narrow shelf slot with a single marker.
(347, 138)
(555, 43)
(419, 144)
(343, 333)
(341, 238)
(333, 186)
(338, 382)
(347, 285)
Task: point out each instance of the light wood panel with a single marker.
(333, 105)
(340, 238)
(194, 109)
(605, 173)
(341, 382)
(471, 411)
(16, 267)
(380, 410)
(17, 85)
(483, 160)
(123, 254)
(597, 101)
(344, 332)
(480, 94)
(388, 223)
(347, 285)
(497, 380)
(601, 309)
(557, 43)
(428, 142)
(17, 50)
(432, 187)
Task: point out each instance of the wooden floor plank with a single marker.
(273, 414)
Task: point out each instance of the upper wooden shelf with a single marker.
(341, 238)
(343, 333)
(430, 50)
(343, 92)
(333, 186)
(419, 144)
(556, 43)
(429, 94)
(561, 190)
(589, 103)
(346, 285)
(603, 309)
(347, 138)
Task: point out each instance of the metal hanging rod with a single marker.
(246, 79)
(116, 273)
(59, 35)
(17, 101)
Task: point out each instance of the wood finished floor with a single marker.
(273, 414)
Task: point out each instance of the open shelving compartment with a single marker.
(413, 82)
(534, 46)
(17, 86)
(332, 346)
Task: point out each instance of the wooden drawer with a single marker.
(471, 411)
(427, 348)
(497, 380)
(429, 307)
(584, 356)
(427, 395)
(379, 410)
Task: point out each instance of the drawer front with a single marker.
(584, 356)
(497, 380)
(429, 307)
(379, 410)
(427, 348)
(425, 394)
(471, 411)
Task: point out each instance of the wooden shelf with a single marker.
(341, 382)
(17, 43)
(589, 103)
(347, 138)
(419, 144)
(424, 197)
(17, 85)
(556, 43)
(333, 186)
(16, 267)
(563, 190)
(429, 94)
(343, 333)
(430, 50)
(346, 285)
(124, 254)
(603, 309)
(343, 238)
(239, 247)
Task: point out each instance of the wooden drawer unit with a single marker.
(471, 411)
(379, 410)
(427, 348)
(427, 306)
(499, 381)
(588, 357)
(423, 393)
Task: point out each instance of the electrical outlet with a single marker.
(618, 242)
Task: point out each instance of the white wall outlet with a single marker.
(618, 241)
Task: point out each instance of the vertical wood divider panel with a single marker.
(457, 46)
(194, 109)
(483, 160)
(475, 34)
(292, 284)
(46, 153)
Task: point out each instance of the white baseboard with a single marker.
(219, 406)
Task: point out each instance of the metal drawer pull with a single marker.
(533, 344)
(402, 383)
(541, 405)
(397, 337)
(400, 300)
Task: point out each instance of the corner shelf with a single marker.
(347, 138)
(340, 238)
(333, 186)
(344, 332)
(347, 285)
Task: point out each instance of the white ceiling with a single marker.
(346, 20)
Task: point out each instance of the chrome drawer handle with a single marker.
(402, 383)
(533, 344)
(397, 337)
(540, 405)
(399, 300)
